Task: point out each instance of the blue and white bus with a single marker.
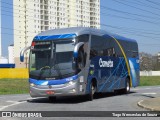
(81, 61)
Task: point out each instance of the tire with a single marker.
(92, 91)
(127, 86)
(52, 98)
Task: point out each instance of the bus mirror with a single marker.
(76, 49)
(22, 53)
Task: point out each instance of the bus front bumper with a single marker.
(68, 89)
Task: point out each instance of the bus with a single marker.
(81, 61)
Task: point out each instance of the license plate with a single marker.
(49, 92)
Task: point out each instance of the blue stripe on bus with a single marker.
(53, 37)
(52, 82)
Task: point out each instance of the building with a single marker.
(34, 16)
(8, 62)
(11, 54)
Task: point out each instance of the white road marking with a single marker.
(11, 101)
(147, 88)
(141, 88)
(140, 101)
(149, 93)
(15, 103)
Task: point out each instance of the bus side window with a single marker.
(114, 53)
(134, 54)
(109, 52)
(93, 53)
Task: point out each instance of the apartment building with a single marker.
(34, 16)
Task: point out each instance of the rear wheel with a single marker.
(127, 86)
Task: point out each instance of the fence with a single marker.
(149, 73)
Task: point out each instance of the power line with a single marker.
(124, 12)
(118, 28)
(153, 2)
(136, 8)
(136, 2)
(112, 27)
(135, 19)
(104, 25)
(154, 45)
(140, 35)
(132, 29)
(33, 36)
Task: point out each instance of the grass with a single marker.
(13, 86)
(149, 80)
(21, 86)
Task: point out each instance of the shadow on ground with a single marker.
(75, 99)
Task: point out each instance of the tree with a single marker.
(149, 62)
(145, 61)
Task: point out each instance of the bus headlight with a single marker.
(70, 83)
(32, 84)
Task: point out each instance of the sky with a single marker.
(135, 19)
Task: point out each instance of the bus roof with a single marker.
(73, 32)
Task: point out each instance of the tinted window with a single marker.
(130, 48)
(134, 49)
(83, 38)
(102, 46)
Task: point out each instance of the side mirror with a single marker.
(76, 49)
(22, 53)
(75, 55)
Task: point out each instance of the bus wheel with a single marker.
(52, 98)
(92, 91)
(127, 86)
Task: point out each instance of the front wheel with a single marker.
(92, 91)
(127, 86)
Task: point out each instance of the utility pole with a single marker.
(25, 23)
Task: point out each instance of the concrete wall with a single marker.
(149, 73)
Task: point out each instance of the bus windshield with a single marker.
(52, 60)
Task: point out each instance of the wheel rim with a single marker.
(92, 89)
(128, 86)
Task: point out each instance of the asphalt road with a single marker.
(102, 102)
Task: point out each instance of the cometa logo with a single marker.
(105, 63)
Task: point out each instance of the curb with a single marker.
(140, 104)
